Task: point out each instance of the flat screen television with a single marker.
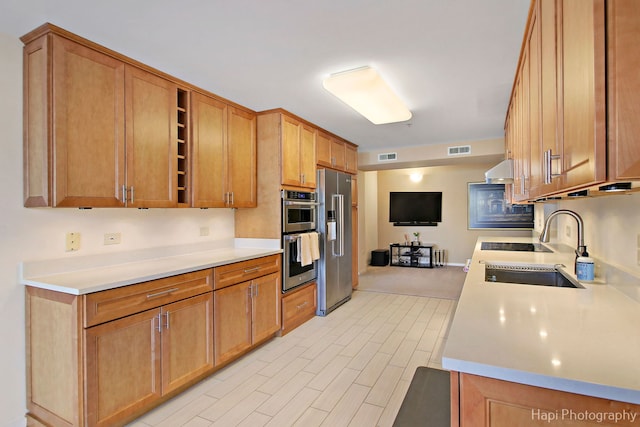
(415, 207)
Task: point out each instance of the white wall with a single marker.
(452, 234)
(32, 234)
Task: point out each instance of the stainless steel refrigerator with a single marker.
(334, 225)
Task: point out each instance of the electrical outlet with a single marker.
(204, 231)
(72, 241)
(112, 238)
(567, 231)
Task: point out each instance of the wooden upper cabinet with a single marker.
(298, 153)
(102, 130)
(351, 159)
(224, 154)
(242, 159)
(308, 156)
(85, 142)
(208, 138)
(623, 35)
(151, 132)
(557, 118)
(323, 149)
(336, 154)
(581, 64)
(549, 141)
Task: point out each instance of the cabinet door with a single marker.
(242, 159)
(487, 402)
(582, 67)
(351, 159)
(122, 367)
(151, 128)
(187, 341)
(291, 173)
(534, 151)
(265, 306)
(88, 129)
(624, 85)
(232, 321)
(307, 158)
(208, 136)
(337, 154)
(550, 143)
(323, 149)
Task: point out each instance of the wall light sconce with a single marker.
(366, 92)
(415, 177)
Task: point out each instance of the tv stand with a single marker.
(420, 256)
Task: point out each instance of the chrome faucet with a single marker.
(581, 249)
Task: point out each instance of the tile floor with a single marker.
(350, 368)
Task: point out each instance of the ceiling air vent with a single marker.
(461, 149)
(385, 157)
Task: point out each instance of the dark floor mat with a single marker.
(427, 402)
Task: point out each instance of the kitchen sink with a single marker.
(529, 274)
(514, 246)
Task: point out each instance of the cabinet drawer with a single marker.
(100, 307)
(239, 272)
(298, 307)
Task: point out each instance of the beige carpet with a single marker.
(443, 282)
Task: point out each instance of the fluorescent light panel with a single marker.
(364, 90)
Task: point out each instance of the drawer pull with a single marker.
(251, 270)
(301, 306)
(157, 294)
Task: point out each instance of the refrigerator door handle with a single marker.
(340, 225)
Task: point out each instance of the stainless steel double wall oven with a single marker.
(299, 215)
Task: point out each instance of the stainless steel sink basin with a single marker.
(514, 246)
(525, 274)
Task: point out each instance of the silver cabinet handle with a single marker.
(124, 193)
(167, 320)
(157, 294)
(232, 199)
(132, 194)
(304, 304)
(159, 322)
(251, 270)
(547, 159)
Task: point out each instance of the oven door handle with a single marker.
(292, 203)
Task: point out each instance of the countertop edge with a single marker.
(543, 381)
(144, 270)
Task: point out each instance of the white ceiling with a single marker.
(452, 61)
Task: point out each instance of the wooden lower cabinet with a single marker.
(299, 306)
(245, 314)
(479, 401)
(123, 367)
(104, 358)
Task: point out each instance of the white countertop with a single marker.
(584, 341)
(94, 273)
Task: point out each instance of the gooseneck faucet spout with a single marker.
(581, 249)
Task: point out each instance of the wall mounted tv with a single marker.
(416, 208)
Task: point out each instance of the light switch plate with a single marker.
(112, 238)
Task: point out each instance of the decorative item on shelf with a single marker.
(416, 240)
(406, 239)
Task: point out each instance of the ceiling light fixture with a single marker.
(415, 177)
(366, 92)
